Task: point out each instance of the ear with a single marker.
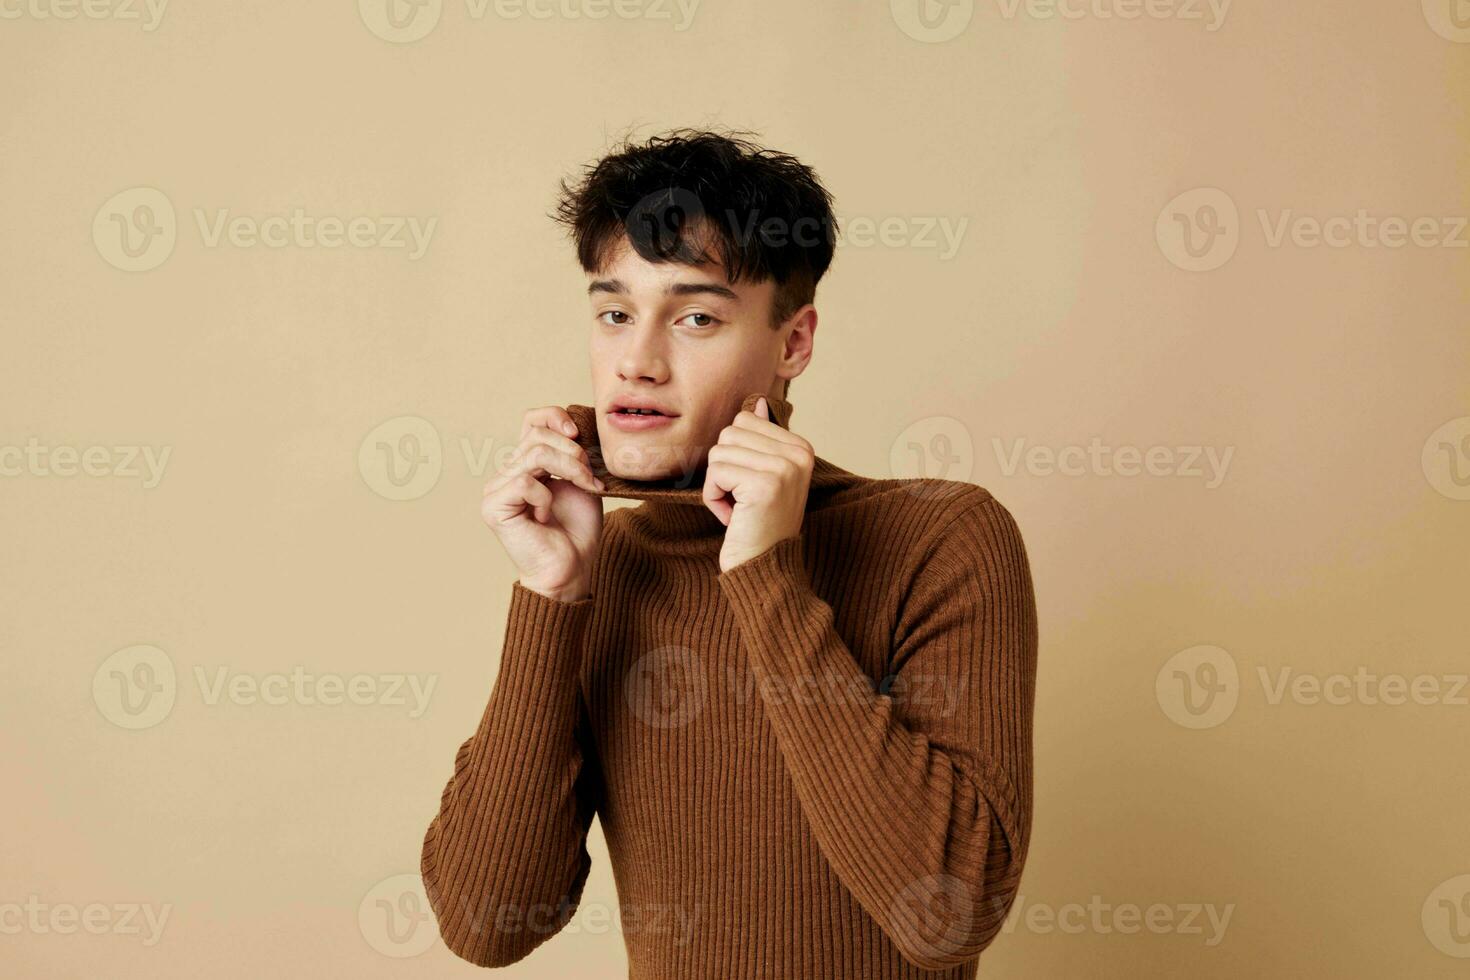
(798, 342)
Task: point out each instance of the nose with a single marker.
(642, 357)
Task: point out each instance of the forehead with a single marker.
(625, 271)
(620, 254)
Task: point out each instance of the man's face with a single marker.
(685, 339)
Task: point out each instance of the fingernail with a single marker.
(761, 406)
(569, 428)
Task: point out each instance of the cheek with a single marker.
(727, 361)
(599, 348)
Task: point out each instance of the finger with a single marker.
(557, 441)
(799, 453)
(518, 497)
(753, 460)
(727, 484)
(764, 440)
(539, 497)
(751, 422)
(552, 417)
(540, 459)
(718, 485)
(542, 436)
(549, 438)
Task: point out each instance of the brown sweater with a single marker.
(814, 766)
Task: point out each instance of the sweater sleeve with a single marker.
(918, 789)
(505, 860)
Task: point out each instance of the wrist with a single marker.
(572, 592)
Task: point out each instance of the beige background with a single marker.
(272, 834)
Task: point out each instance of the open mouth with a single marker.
(626, 418)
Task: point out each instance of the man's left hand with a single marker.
(768, 470)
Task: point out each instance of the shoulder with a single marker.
(925, 526)
(925, 512)
(972, 528)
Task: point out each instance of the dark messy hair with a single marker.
(767, 213)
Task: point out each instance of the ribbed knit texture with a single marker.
(814, 766)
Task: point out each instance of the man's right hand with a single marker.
(549, 527)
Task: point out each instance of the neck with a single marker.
(674, 507)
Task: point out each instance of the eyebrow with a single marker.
(677, 289)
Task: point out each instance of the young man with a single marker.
(798, 699)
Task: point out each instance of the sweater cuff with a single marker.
(770, 588)
(544, 640)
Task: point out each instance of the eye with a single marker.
(608, 313)
(709, 320)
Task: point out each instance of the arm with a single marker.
(505, 859)
(920, 798)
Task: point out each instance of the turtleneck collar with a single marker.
(674, 508)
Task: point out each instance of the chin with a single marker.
(639, 458)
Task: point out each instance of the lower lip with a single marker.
(638, 423)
